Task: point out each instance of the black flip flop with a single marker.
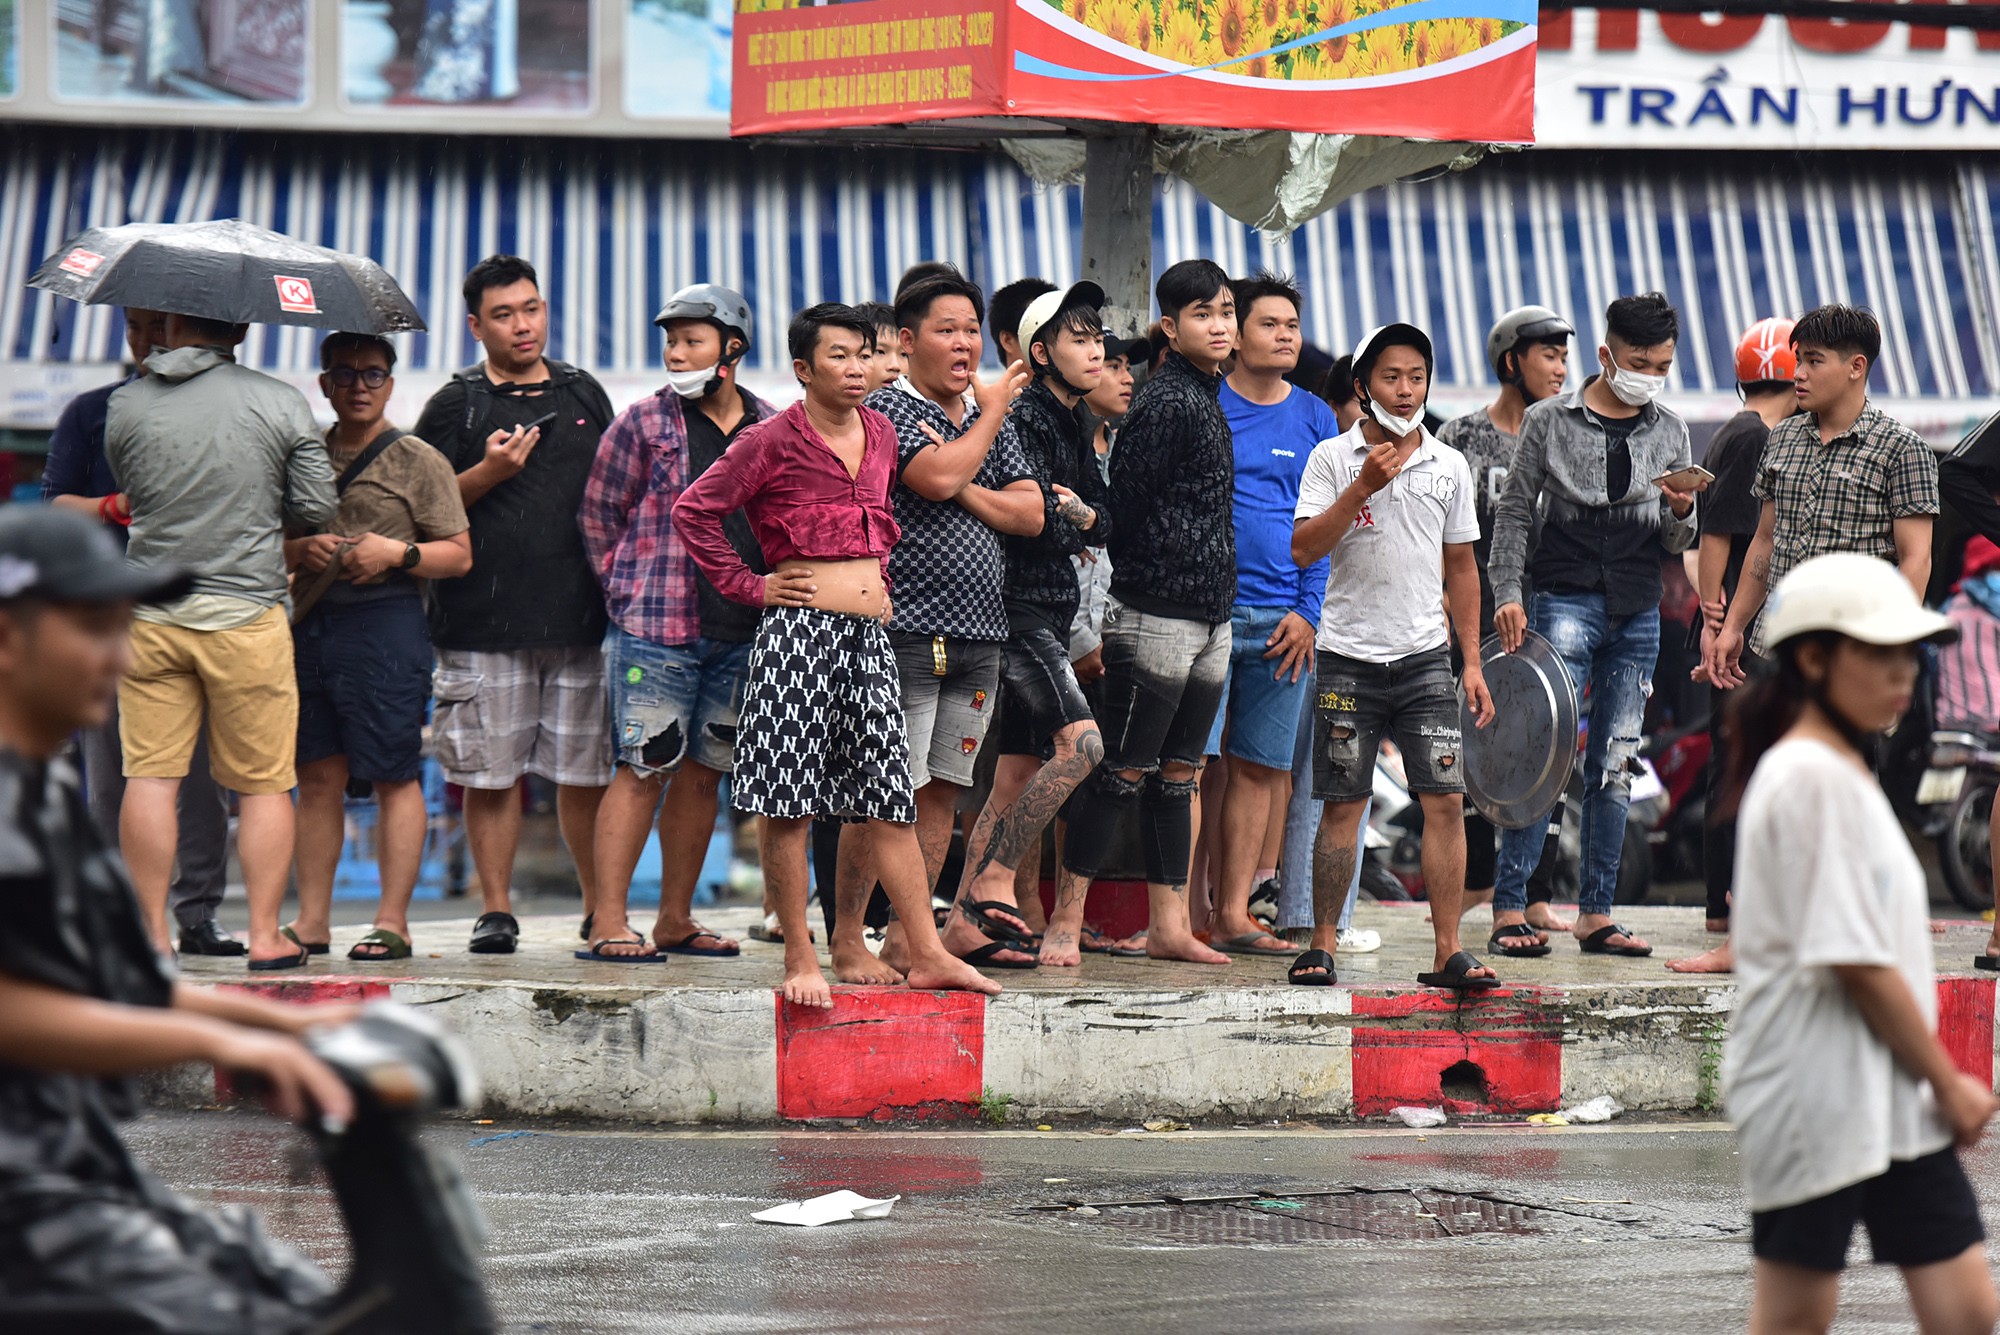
(596, 951)
(1501, 942)
(495, 933)
(1594, 943)
(1455, 975)
(310, 947)
(1990, 963)
(583, 932)
(1090, 941)
(298, 961)
(1312, 959)
(982, 958)
(979, 912)
(686, 946)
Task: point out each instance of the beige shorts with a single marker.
(242, 677)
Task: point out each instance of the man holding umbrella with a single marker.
(220, 510)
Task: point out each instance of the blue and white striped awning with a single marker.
(614, 227)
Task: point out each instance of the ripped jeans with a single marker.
(1613, 658)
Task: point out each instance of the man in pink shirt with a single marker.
(821, 732)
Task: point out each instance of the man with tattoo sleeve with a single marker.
(1393, 505)
(1046, 716)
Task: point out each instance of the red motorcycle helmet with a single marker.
(1764, 353)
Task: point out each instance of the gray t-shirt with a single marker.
(1385, 590)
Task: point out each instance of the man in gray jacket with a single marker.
(217, 461)
(1584, 494)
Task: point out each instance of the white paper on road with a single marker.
(828, 1209)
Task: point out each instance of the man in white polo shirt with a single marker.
(1394, 507)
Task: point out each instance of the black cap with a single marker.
(62, 556)
(1128, 348)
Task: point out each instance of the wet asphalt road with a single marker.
(620, 1231)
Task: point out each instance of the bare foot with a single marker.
(806, 986)
(1722, 959)
(948, 973)
(1061, 950)
(853, 963)
(895, 951)
(1548, 920)
(1191, 951)
(1717, 926)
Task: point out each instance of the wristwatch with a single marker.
(411, 555)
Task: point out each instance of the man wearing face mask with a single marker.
(1393, 506)
(677, 652)
(1582, 495)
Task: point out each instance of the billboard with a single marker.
(1632, 78)
(1434, 69)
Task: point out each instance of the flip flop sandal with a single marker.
(1246, 944)
(983, 958)
(298, 961)
(1300, 975)
(979, 912)
(685, 946)
(495, 933)
(767, 931)
(1503, 939)
(583, 932)
(1137, 952)
(596, 951)
(1594, 943)
(1092, 942)
(310, 947)
(1990, 963)
(393, 946)
(1455, 976)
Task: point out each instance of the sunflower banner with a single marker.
(1428, 69)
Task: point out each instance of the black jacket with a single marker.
(1039, 569)
(1173, 485)
(1969, 477)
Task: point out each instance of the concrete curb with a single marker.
(694, 1054)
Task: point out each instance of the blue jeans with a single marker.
(1614, 657)
(1295, 863)
(674, 702)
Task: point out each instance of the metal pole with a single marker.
(1118, 224)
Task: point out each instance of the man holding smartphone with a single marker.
(1589, 491)
(520, 676)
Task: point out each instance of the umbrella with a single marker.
(227, 270)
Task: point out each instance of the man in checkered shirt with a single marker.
(1839, 476)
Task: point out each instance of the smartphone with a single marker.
(1685, 479)
(543, 420)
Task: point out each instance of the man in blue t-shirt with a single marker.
(1276, 426)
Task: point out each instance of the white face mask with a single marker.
(1634, 389)
(693, 384)
(1398, 427)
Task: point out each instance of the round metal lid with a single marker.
(1517, 767)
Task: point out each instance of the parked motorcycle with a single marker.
(1963, 776)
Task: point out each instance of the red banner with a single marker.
(1427, 69)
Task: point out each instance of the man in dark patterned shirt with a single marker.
(1842, 476)
(1167, 621)
(962, 483)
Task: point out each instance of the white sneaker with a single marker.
(1359, 941)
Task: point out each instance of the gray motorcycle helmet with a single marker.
(719, 305)
(1523, 324)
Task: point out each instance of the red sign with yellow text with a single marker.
(1431, 69)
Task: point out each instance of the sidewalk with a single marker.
(699, 1040)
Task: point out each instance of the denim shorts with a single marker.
(1261, 710)
(1040, 694)
(948, 687)
(1163, 679)
(674, 702)
(1413, 700)
(364, 672)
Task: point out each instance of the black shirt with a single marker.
(1598, 550)
(723, 618)
(1173, 498)
(531, 585)
(1728, 508)
(1617, 451)
(72, 923)
(1040, 570)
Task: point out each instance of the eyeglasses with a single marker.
(343, 377)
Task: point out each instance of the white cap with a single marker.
(1051, 304)
(1861, 597)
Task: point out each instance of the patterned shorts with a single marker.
(822, 727)
(502, 713)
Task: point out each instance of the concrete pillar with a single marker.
(1118, 224)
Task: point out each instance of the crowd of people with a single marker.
(1221, 566)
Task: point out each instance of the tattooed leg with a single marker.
(1334, 855)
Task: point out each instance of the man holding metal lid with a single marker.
(677, 652)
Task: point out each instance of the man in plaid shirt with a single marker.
(677, 652)
(1841, 476)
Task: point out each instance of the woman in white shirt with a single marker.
(1846, 1106)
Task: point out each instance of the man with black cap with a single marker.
(1393, 506)
(1045, 715)
(678, 652)
(87, 1235)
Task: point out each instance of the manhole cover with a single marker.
(1382, 1215)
